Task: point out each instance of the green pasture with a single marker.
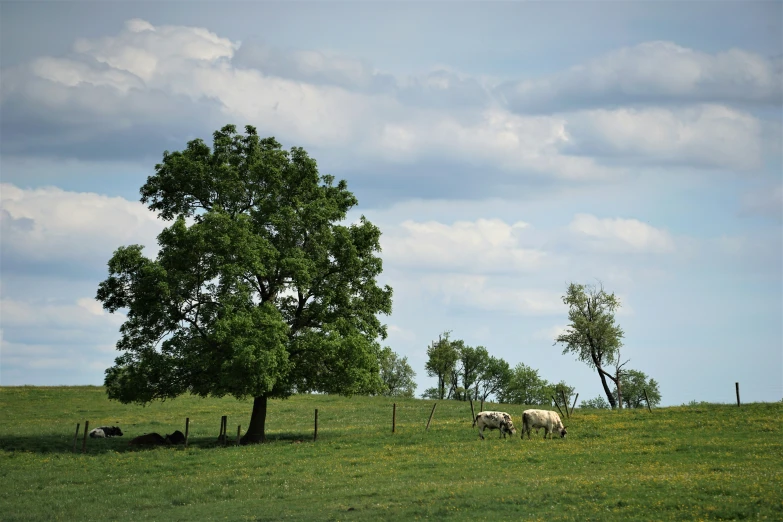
(700, 462)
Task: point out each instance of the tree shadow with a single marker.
(54, 443)
(289, 437)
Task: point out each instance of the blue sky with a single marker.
(505, 150)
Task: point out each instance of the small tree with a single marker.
(396, 375)
(558, 391)
(431, 393)
(441, 363)
(258, 290)
(633, 384)
(598, 403)
(592, 335)
(525, 387)
(495, 377)
(473, 361)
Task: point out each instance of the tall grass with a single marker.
(701, 462)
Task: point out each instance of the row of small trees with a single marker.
(464, 372)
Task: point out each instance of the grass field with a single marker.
(701, 462)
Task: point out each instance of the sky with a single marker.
(505, 150)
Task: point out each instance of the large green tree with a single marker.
(257, 289)
(592, 334)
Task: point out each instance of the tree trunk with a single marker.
(255, 432)
(609, 394)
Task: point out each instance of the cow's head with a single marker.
(117, 431)
(510, 427)
(563, 433)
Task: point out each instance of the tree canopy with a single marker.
(592, 334)
(494, 378)
(633, 384)
(396, 375)
(525, 387)
(257, 290)
(442, 357)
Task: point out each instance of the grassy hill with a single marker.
(702, 462)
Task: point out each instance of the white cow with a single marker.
(97, 433)
(495, 420)
(549, 420)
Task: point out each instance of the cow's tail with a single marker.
(475, 421)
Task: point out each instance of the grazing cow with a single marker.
(549, 420)
(111, 431)
(97, 433)
(150, 439)
(176, 438)
(495, 420)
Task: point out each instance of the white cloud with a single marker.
(711, 135)
(148, 51)
(481, 246)
(621, 234)
(46, 224)
(91, 305)
(122, 82)
(494, 137)
(71, 73)
(84, 314)
(150, 74)
(653, 71)
(55, 337)
(489, 294)
(313, 66)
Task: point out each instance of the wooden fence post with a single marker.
(84, 441)
(557, 405)
(646, 399)
(394, 417)
(223, 437)
(574, 405)
(315, 431)
(481, 407)
(472, 413)
(565, 403)
(187, 429)
(76, 436)
(430, 419)
(239, 430)
(736, 386)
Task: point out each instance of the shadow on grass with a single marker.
(50, 443)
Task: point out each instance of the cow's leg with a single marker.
(481, 434)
